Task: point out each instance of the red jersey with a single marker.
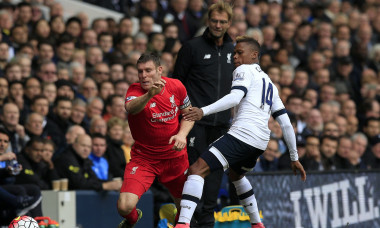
(158, 121)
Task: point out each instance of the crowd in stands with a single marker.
(63, 81)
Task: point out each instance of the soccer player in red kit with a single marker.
(153, 106)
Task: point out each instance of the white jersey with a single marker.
(250, 122)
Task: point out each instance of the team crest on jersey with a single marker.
(191, 141)
(134, 169)
(239, 76)
(152, 105)
(172, 100)
(229, 58)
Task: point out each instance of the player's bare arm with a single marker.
(185, 127)
(193, 114)
(296, 165)
(137, 105)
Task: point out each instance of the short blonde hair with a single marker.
(220, 6)
(115, 121)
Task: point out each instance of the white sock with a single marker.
(247, 199)
(191, 194)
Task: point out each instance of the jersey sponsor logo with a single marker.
(134, 170)
(130, 98)
(239, 76)
(191, 141)
(229, 58)
(164, 116)
(152, 105)
(207, 56)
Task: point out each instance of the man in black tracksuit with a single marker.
(75, 165)
(34, 169)
(205, 65)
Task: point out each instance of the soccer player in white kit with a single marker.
(255, 98)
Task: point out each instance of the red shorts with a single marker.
(140, 173)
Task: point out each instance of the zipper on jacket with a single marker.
(219, 77)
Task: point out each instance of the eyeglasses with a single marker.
(100, 72)
(49, 72)
(222, 22)
(89, 88)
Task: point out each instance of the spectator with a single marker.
(314, 123)
(98, 126)
(105, 42)
(115, 154)
(3, 90)
(64, 50)
(359, 145)
(49, 90)
(94, 108)
(45, 53)
(36, 170)
(75, 165)
(94, 55)
(47, 72)
(115, 108)
(312, 159)
(128, 141)
(78, 112)
(77, 75)
(330, 129)
(130, 73)
(116, 72)
(100, 73)
(329, 146)
(121, 88)
(15, 199)
(106, 89)
(33, 126)
(88, 89)
(89, 38)
(99, 25)
(100, 165)
(268, 161)
(61, 114)
(10, 121)
(352, 125)
(186, 24)
(344, 148)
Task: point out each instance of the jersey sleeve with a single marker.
(182, 94)
(241, 79)
(132, 93)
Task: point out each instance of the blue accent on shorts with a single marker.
(240, 156)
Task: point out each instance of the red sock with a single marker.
(132, 217)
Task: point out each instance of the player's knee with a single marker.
(124, 207)
(199, 168)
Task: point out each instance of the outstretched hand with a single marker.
(193, 114)
(157, 87)
(296, 165)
